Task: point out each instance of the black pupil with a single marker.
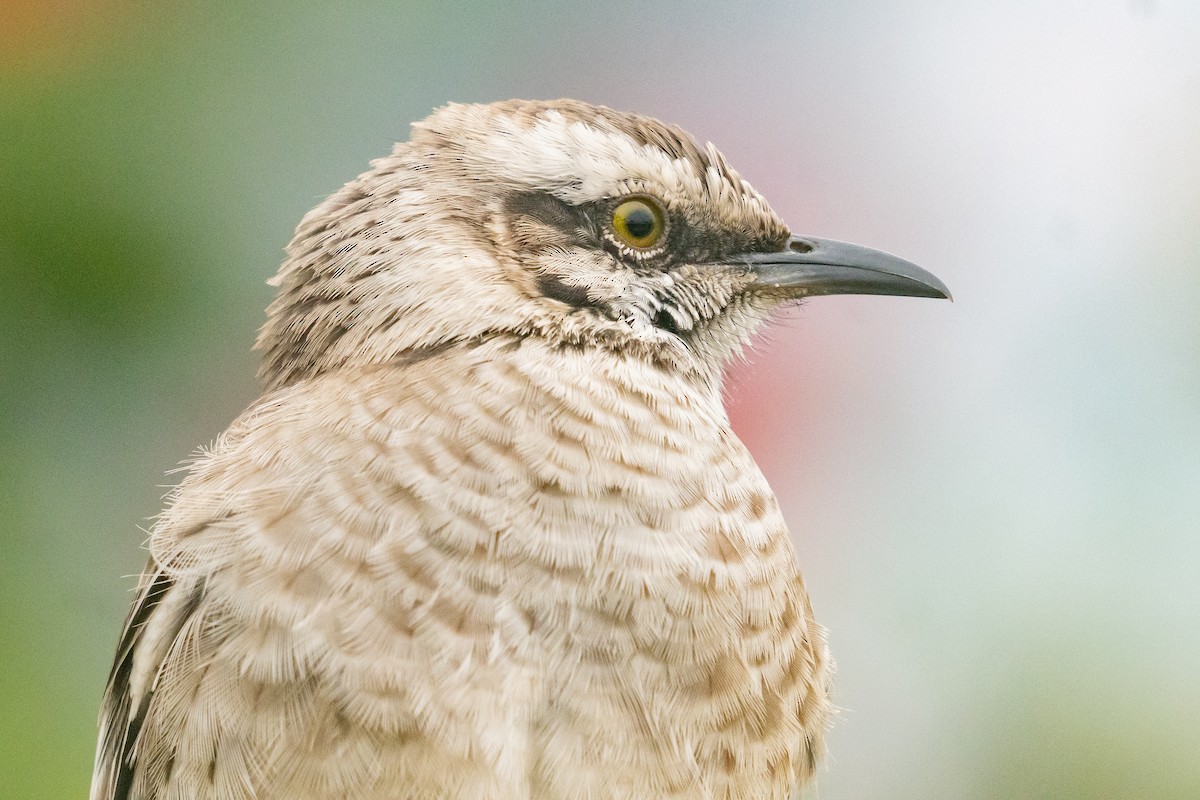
(640, 222)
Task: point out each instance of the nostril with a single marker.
(799, 246)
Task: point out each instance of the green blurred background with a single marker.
(995, 501)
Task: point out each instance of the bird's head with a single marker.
(575, 223)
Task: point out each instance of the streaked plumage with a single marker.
(488, 534)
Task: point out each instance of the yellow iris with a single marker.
(639, 222)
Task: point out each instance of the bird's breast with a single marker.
(507, 574)
(603, 520)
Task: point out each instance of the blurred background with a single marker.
(995, 501)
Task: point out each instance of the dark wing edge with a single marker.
(120, 721)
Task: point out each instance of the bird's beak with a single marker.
(809, 266)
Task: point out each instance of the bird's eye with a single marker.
(639, 222)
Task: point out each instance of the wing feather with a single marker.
(161, 609)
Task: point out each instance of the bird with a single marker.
(488, 533)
